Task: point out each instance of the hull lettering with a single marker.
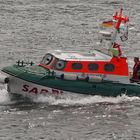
(36, 90)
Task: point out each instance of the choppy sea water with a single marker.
(28, 28)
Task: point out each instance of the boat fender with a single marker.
(95, 79)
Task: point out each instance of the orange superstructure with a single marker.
(111, 66)
(117, 66)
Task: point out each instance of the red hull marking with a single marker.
(35, 90)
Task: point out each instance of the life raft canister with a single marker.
(70, 76)
(66, 76)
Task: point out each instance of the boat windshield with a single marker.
(47, 59)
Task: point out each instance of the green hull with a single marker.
(43, 77)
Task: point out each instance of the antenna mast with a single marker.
(118, 18)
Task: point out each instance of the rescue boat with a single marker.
(88, 72)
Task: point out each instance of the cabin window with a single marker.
(77, 66)
(47, 59)
(93, 66)
(109, 67)
(60, 65)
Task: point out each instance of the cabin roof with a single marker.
(94, 55)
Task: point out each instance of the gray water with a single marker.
(28, 28)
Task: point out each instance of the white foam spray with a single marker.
(4, 96)
(83, 100)
(68, 98)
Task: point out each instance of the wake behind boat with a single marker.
(91, 72)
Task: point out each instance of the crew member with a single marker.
(136, 70)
